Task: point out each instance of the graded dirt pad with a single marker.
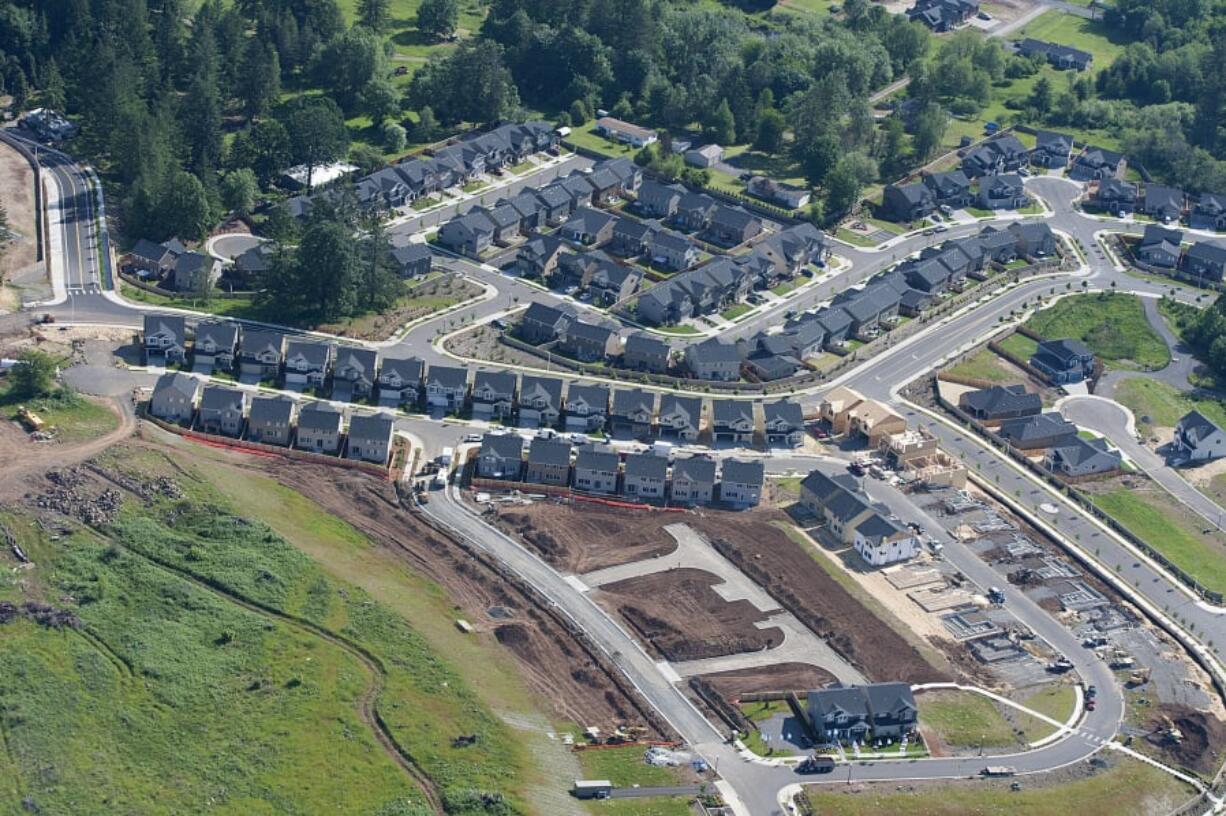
(682, 618)
(1203, 737)
(577, 686)
(798, 677)
(589, 537)
(17, 195)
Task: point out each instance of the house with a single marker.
(1160, 246)
(732, 421)
(413, 260)
(781, 195)
(506, 220)
(619, 131)
(875, 421)
(693, 480)
(307, 363)
(876, 713)
(1039, 431)
(470, 234)
(222, 410)
(836, 405)
(589, 227)
(1051, 149)
(943, 15)
(836, 327)
(1082, 457)
(193, 271)
(1209, 212)
(628, 174)
(1198, 439)
(589, 342)
(672, 251)
(907, 202)
(587, 407)
(259, 354)
(493, 394)
(501, 456)
(732, 226)
(540, 401)
(705, 156)
(951, 189)
(270, 420)
(714, 360)
(928, 276)
(881, 540)
(694, 211)
(913, 302)
(1098, 163)
(1001, 154)
(319, 428)
(657, 200)
(174, 397)
(1116, 196)
(1064, 361)
(631, 238)
(446, 388)
(165, 339)
(530, 210)
(1000, 402)
(837, 500)
(538, 257)
(548, 462)
(1060, 57)
(400, 381)
(556, 203)
(632, 412)
(156, 260)
(370, 438)
(646, 476)
(605, 185)
(998, 245)
(784, 423)
(596, 468)
(579, 187)
(542, 323)
(1205, 260)
(869, 308)
(215, 346)
(355, 372)
(1163, 203)
(1004, 191)
(612, 283)
(1033, 239)
(679, 417)
(740, 482)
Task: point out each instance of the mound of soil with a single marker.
(1204, 736)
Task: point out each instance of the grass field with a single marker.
(1092, 36)
(1163, 404)
(1056, 701)
(964, 719)
(1145, 788)
(1178, 315)
(1112, 325)
(76, 418)
(664, 806)
(734, 311)
(625, 767)
(1171, 529)
(985, 364)
(1020, 346)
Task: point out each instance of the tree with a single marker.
(721, 127)
(578, 112)
(324, 270)
(33, 376)
(1041, 96)
(426, 128)
(845, 180)
(395, 137)
(259, 78)
(378, 280)
(348, 64)
(5, 235)
(317, 132)
(374, 14)
(264, 147)
(930, 126)
(771, 126)
(381, 99)
(472, 84)
(367, 158)
(893, 149)
(438, 18)
(239, 190)
(185, 203)
(52, 93)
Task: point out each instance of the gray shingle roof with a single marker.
(740, 471)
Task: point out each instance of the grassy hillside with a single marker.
(1112, 325)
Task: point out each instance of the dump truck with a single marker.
(592, 788)
(816, 764)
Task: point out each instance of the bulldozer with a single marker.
(32, 421)
(1170, 733)
(1138, 678)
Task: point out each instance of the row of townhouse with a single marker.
(722, 224)
(856, 520)
(1162, 248)
(272, 420)
(1169, 205)
(729, 279)
(953, 190)
(464, 160)
(602, 470)
(557, 204)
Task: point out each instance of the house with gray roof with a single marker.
(714, 360)
(1198, 439)
(1060, 57)
(307, 363)
(542, 323)
(191, 269)
(632, 412)
(907, 202)
(732, 226)
(631, 238)
(929, 275)
(656, 200)
(950, 189)
(1002, 191)
(694, 211)
(1062, 361)
(612, 283)
(646, 476)
(732, 421)
(693, 480)
(355, 372)
(556, 203)
(493, 394)
(673, 251)
(446, 388)
(1164, 203)
(548, 462)
(259, 354)
(784, 423)
(158, 260)
(880, 540)
(1205, 261)
(679, 417)
(1098, 163)
(871, 714)
(501, 456)
(1034, 239)
(215, 346)
(319, 428)
(370, 437)
(1047, 430)
(1000, 402)
(538, 257)
(580, 189)
(596, 469)
(1209, 212)
(589, 227)
(540, 401)
(270, 420)
(1051, 149)
(1083, 457)
(174, 397)
(589, 342)
(587, 407)
(1160, 246)
(222, 410)
(399, 381)
(165, 339)
(1000, 154)
(413, 260)
(740, 482)
(470, 234)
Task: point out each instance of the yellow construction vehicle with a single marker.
(31, 420)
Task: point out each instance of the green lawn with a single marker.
(586, 137)
(1151, 514)
(1092, 36)
(75, 418)
(664, 806)
(680, 328)
(1163, 404)
(1056, 701)
(985, 364)
(1112, 325)
(1179, 315)
(1145, 788)
(624, 766)
(964, 719)
(734, 311)
(1019, 345)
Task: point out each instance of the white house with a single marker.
(1198, 439)
(882, 541)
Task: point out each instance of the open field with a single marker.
(624, 767)
(667, 806)
(1056, 701)
(963, 719)
(1128, 788)
(986, 364)
(682, 618)
(1161, 405)
(1092, 36)
(1112, 325)
(1158, 519)
(17, 197)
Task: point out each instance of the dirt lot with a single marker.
(17, 194)
(1203, 736)
(682, 618)
(481, 343)
(776, 562)
(582, 539)
(781, 677)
